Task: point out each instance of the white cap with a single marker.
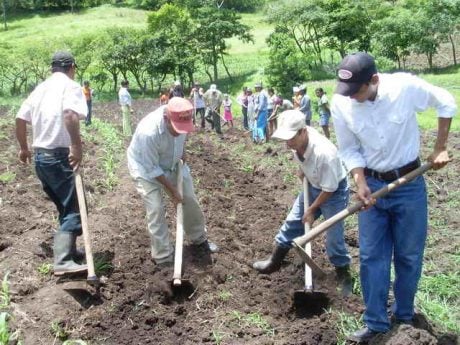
(177, 83)
(295, 89)
(289, 123)
(213, 87)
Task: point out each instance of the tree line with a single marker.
(308, 34)
(178, 42)
(184, 38)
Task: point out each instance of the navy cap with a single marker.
(62, 59)
(354, 70)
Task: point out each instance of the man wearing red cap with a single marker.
(378, 136)
(153, 155)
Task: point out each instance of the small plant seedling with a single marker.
(225, 295)
(5, 292)
(45, 269)
(59, 330)
(7, 177)
(217, 336)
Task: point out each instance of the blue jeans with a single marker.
(395, 227)
(58, 182)
(335, 242)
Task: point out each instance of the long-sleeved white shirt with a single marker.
(153, 150)
(383, 134)
(44, 110)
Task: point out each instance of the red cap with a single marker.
(180, 113)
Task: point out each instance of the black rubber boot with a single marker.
(78, 255)
(273, 263)
(344, 280)
(64, 242)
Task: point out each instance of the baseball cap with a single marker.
(180, 114)
(295, 89)
(354, 70)
(258, 85)
(62, 59)
(289, 123)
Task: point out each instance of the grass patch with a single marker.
(346, 324)
(7, 177)
(438, 298)
(253, 319)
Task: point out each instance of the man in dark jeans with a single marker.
(54, 110)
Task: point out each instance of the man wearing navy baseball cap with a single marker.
(378, 137)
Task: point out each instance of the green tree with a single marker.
(178, 30)
(214, 26)
(288, 66)
(302, 21)
(396, 33)
(348, 25)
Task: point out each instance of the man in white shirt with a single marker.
(375, 121)
(153, 155)
(54, 110)
(213, 99)
(327, 190)
(124, 98)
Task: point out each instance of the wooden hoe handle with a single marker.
(300, 242)
(177, 275)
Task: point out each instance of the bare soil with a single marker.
(227, 302)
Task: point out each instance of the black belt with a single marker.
(55, 151)
(393, 174)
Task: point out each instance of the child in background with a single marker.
(227, 103)
(164, 98)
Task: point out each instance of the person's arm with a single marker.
(72, 124)
(170, 189)
(24, 154)
(440, 156)
(309, 215)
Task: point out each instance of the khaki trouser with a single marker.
(153, 197)
(125, 110)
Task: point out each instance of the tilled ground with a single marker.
(227, 302)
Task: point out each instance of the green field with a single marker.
(246, 61)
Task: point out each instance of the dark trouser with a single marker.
(201, 112)
(56, 175)
(244, 110)
(213, 117)
(90, 110)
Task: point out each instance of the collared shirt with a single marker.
(124, 98)
(45, 106)
(321, 163)
(383, 134)
(153, 150)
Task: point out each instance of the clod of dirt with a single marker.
(405, 335)
(4, 245)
